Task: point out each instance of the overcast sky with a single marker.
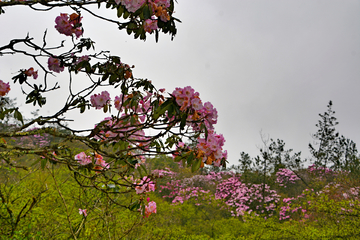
(269, 66)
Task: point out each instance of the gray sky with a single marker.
(269, 66)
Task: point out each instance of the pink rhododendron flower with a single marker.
(196, 104)
(150, 208)
(83, 158)
(100, 162)
(68, 25)
(82, 212)
(54, 65)
(212, 148)
(159, 8)
(131, 5)
(4, 88)
(31, 72)
(164, 3)
(100, 100)
(285, 176)
(145, 185)
(150, 25)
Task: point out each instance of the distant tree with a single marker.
(7, 120)
(327, 138)
(333, 151)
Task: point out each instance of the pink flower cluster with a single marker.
(100, 163)
(189, 100)
(192, 188)
(180, 191)
(145, 185)
(247, 197)
(30, 72)
(100, 100)
(150, 208)
(84, 159)
(320, 171)
(54, 64)
(285, 176)
(131, 5)
(162, 173)
(4, 88)
(212, 148)
(158, 7)
(82, 212)
(69, 25)
(287, 208)
(31, 141)
(150, 25)
(122, 102)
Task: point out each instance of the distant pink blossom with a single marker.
(82, 212)
(285, 176)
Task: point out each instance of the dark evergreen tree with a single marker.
(333, 151)
(327, 138)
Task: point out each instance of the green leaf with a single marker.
(105, 76)
(146, 12)
(38, 160)
(82, 109)
(113, 79)
(183, 121)
(135, 205)
(120, 11)
(196, 165)
(162, 108)
(43, 163)
(190, 158)
(106, 107)
(132, 26)
(144, 169)
(177, 159)
(126, 14)
(140, 172)
(132, 120)
(171, 111)
(18, 116)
